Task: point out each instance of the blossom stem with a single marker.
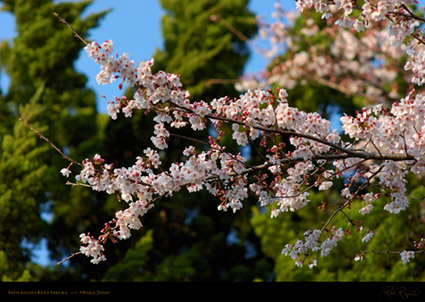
(62, 20)
(67, 258)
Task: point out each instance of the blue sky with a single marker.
(128, 17)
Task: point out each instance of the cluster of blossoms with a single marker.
(385, 145)
(406, 256)
(363, 60)
(364, 63)
(299, 250)
(398, 133)
(93, 249)
(404, 24)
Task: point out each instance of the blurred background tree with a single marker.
(45, 90)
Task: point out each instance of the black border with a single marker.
(329, 291)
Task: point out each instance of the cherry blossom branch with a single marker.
(410, 13)
(350, 152)
(349, 201)
(283, 178)
(406, 256)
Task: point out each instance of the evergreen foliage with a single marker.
(200, 49)
(46, 91)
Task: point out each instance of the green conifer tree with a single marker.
(205, 40)
(50, 94)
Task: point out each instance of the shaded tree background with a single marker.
(46, 91)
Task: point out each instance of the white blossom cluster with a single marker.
(93, 249)
(406, 256)
(358, 63)
(300, 248)
(398, 133)
(312, 242)
(402, 27)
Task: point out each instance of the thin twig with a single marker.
(192, 139)
(377, 147)
(62, 20)
(77, 184)
(67, 258)
(239, 34)
(254, 147)
(349, 201)
(412, 15)
(50, 143)
(390, 252)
